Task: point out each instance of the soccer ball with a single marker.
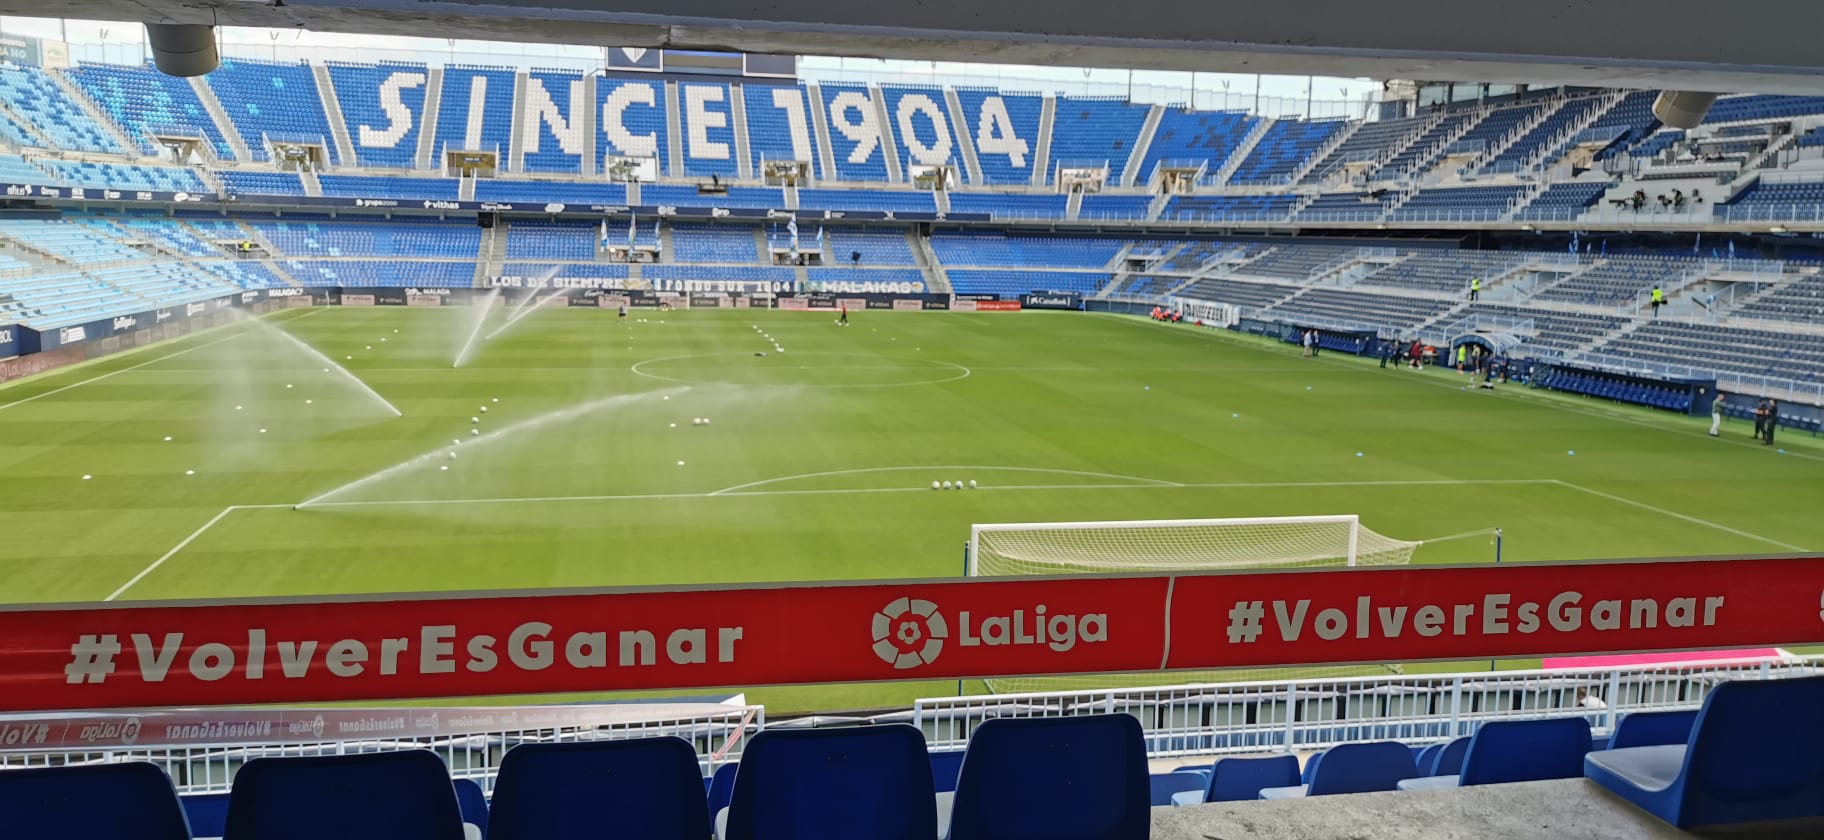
(934, 485)
(474, 433)
(972, 484)
(959, 485)
(946, 485)
(484, 409)
(706, 421)
(452, 456)
(474, 420)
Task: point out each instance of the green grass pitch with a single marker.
(817, 462)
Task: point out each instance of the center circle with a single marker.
(806, 370)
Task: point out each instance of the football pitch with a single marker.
(177, 471)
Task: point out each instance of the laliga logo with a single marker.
(909, 633)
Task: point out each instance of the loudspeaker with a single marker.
(486, 220)
(183, 49)
(1682, 109)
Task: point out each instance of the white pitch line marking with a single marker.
(717, 494)
(1676, 515)
(112, 373)
(864, 470)
(180, 546)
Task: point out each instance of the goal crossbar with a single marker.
(1345, 537)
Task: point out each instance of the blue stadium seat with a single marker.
(1353, 768)
(1449, 759)
(1517, 751)
(208, 813)
(721, 787)
(1753, 755)
(1073, 778)
(944, 768)
(1653, 729)
(1242, 779)
(1164, 786)
(404, 795)
(91, 802)
(834, 784)
(645, 787)
(473, 804)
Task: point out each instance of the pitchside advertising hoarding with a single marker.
(114, 655)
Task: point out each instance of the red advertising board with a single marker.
(997, 306)
(451, 645)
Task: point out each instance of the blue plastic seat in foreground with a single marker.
(834, 784)
(1353, 768)
(92, 802)
(1242, 779)
(944, 767)
(1074, 778)
(404, 795)
(1754, 755)
(1505, 751)
(647, 788)
(1653, 729)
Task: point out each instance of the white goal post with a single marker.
(1171, 545)
(1179, 545)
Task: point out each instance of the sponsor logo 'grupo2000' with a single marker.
(910, 632)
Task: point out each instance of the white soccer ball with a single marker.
(287, 386)
(674, 425)
(706, 421)
(680, 463)
(452, 456)
(189, 472)
(262, 431)
(474, 433)
(444, 468)
(453, 441)
(240, 408)
(959, 485)
(308, 402)
(167, 438)
(87, 477)
(946, 485)
(370, 346)
(972, 484)
(474, 419)
(934, 485)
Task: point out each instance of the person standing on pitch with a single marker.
(1462, 356)
(843, 317)
(1760, 419)
(1716, 414)
(1773, 421)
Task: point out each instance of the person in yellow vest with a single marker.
(1659, 299)
(1462, 356)
(1475, 288)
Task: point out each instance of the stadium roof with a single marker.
(1681, 44)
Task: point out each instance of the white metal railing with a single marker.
(1300, 715)
(201, 750)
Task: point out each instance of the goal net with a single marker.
(1179, 545)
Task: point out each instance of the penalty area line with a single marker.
(1676, 515)
(153, 566)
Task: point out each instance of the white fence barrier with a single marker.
(202, 749)
(1303, 715)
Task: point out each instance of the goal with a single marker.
(1179, 545)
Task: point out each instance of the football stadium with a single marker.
(423, 426)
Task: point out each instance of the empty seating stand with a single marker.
(1071, 778)
(833, 784)
(1353, 768)
(1753, 755)
(375, 796)
(1242, 779)
(645, 787)
(91, 802)
(1517, 751)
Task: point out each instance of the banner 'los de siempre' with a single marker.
(382, 647)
